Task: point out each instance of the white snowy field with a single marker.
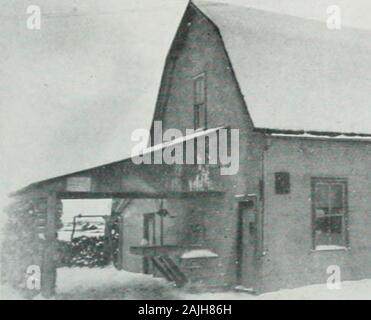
(111, 284)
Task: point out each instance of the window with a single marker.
(199, 93)
(329, 206)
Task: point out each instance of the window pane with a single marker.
(322, 196)
(202, 116)
(199, 90)
(336, 198)
(197, 117)
(328, 231)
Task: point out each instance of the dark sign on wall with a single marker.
(282, 182)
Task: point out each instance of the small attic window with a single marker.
(199, 104)
(282, 182)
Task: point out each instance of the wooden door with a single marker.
(247, 242)
(149, 236)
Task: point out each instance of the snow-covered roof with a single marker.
(296, 73)
(342, 137)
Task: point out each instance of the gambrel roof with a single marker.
(294, 73)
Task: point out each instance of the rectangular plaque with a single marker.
(79, 184)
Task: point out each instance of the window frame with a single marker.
(345, 216)
(197, 105)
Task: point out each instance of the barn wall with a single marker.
(202, 50)
(290, 260)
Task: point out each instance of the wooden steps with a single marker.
(169, 269)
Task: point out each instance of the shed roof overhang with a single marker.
(121, 179)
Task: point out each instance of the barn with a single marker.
(298, 94)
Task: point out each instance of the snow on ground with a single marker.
(350, 290)
(8, 293)
(111, 284)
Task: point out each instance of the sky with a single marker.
(354, 13)
(71, 208)
(72, 92)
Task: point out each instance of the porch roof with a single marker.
(63, 193)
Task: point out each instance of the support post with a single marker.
(161, 230)
(121, 241)
(49, 267)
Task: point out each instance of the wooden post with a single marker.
(121, 241)
(49, 268)
(161, 230)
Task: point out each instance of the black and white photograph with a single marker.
(185, 150)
